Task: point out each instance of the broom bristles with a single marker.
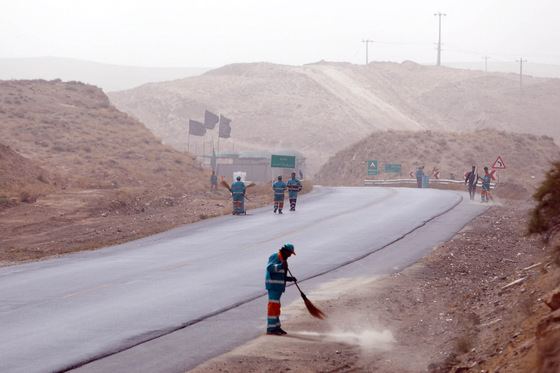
(314, 311)
(225, 184)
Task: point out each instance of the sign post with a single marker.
(499, 164)
(283, 161)
(372, 167)
(393, 168)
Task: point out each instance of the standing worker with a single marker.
(238, 193)
(472, 178)
(279, 187)
(294, 186)
(276, 277)
(419, 175)
(213, 182)
(486, 187)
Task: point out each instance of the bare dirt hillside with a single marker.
(526, 157)
(319, 109)
(78, 174)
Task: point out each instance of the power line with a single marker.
(367, 41)
(486, 63)
(521, 60)
(439, 40)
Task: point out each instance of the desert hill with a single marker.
(72, 130)
(94, 175)
(319, 109)
(526, 157)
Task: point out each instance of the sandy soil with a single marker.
(452, 311)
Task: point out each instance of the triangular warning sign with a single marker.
(499, 164)
(372, 165)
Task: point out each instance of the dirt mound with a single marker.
(527, 158)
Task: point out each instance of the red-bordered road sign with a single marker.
(499, 164)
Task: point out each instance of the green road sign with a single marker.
(372, 167)
(283, 161)
(393, 168)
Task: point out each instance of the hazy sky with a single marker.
(213, 33)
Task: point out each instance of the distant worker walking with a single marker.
(472, 178)
(294, 186)
(419, 176)
(275, 282)
(238, 194)
(279, 187)
(213, 182)
(486, 186)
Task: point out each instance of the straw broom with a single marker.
(314, 311)
(226, 185)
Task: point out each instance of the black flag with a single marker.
(196, 128)
(210, 120)
(225, 129)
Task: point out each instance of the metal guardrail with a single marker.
(413, 182)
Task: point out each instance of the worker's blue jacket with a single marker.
(238, 187)
(486, 182)
(279, 188)
(294, 186)
(275, 274)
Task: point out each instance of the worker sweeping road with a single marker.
(238, 194)
(276, 278)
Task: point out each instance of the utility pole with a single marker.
(521, 60)
(367, 41)
(439, 40)
(486, 63)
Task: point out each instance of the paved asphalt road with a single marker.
(171, 301)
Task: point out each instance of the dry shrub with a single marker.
(548, 354)
(26, 197)
(464, 343)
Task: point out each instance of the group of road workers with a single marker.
(471, 178)
(277, 265)
(238, 190)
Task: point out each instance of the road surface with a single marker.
(168, 302)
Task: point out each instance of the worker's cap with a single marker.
(279, 177)
(289, 247)
(238, 177)
(421, 166)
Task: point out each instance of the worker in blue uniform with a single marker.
(419, 175)
(486, 179)
(275, 283)
(238, 193)
(294, 186)
(279, 187)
